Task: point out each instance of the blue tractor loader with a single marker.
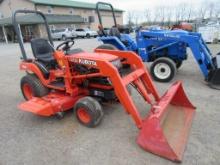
(167, 49)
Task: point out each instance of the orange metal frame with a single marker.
(139, 77)
(151, 136)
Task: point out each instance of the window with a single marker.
(1, 15)
(91, 19)
(49, 9)
(71, 11)
(52, 27)
(85, 19)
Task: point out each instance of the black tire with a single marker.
(107, 46)
(179, 64)
(37, 88)
(64, 38)
(165, 67)
(92, 108)
(87, 35)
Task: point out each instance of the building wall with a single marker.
(8, 6)
(85, 13)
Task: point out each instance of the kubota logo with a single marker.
(85, 62)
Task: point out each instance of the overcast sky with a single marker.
(141, 5)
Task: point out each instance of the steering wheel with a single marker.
(66, 45)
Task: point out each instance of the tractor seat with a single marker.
(42, 50)
(114, 32)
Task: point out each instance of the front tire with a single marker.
(163, 69)
(88, 111)
(87, 35)
(31, 87)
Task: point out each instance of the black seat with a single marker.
(42, 50)
(114, 32)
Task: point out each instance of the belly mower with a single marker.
(63, 79)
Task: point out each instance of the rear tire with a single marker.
(107, 46)
(88, 111)
(31, 86)
(87, 35)
(163, 69)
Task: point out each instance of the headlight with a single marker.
(117, 63)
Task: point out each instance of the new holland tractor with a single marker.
(65, 78)
(167, 49)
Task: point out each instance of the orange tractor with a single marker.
(61, 79)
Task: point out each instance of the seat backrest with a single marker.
(41, 48)
(114, 32)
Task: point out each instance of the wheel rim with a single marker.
(162, 71)
(28, 93)
(83, 115)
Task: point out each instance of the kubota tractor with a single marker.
(61, 79)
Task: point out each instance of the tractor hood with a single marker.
(92, 56)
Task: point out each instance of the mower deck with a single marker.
(49, 105)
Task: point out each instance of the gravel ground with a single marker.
(33, 140)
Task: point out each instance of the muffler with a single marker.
(165, 131)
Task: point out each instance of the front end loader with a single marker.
(166, 49)
(61, 79)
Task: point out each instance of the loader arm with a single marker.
(195, 42)
(139, 77)
(164, 131)
(200, 52)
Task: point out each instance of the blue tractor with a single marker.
(167, 49)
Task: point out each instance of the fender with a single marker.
(31, 67)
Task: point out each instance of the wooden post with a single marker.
(5, 35)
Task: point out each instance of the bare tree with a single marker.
(161, 14)
(216, 11)
(155, 17)
(202, 11)
(130, 18)
(148, 16)
(210, 8)
(168, 14)
(189, 13)
(136, 18)
(177, 14)
(183, 11)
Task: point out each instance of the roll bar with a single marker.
(18, 30)
(98, 4)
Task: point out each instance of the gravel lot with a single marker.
(33, 140)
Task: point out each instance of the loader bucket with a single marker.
(165, 131)
(214, 74)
